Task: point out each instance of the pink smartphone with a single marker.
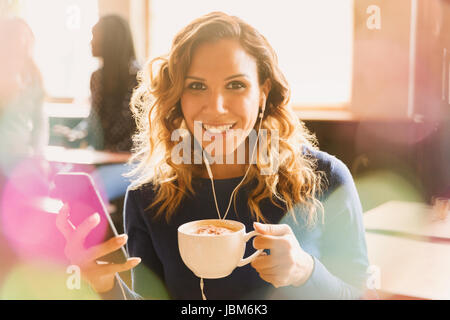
(78, 190)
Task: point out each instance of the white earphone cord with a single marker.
(121, 287)
(208, 169)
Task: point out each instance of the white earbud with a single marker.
(263, 108)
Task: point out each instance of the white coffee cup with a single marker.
(212, 256)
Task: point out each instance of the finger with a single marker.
(276, 279)
(265, 263)
(270, 278)
(113, 268)
(269, 242)
(85, 228)
(106, 247)
(272, 229)
(62, 222)
(272, 274)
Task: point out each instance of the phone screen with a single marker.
(79, 192)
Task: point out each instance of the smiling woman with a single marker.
(222, 72)
(193, 85)
(224, 94)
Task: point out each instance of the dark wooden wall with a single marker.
(405, 160)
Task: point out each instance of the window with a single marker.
(313, 40)
(62, 29)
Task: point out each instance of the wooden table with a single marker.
(410, 248)
(407, 218)
(84, 156)
(78, 110)
(79, 158)
(410, 268)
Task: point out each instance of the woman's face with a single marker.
(222, 95)
(95, 42)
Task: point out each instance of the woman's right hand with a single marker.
(100, 276)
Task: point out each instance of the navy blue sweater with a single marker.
(337, 245)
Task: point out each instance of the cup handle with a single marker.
(252, 257)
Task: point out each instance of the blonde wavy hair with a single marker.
(157, 110)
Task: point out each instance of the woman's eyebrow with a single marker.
(226, 79)
(237, 76)
(195, 78)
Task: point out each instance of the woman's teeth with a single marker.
(217, 129)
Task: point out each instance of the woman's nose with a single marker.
(216, 103)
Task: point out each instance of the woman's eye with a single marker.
(236, 85)
(197, 86)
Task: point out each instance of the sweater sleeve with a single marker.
(148, 276)
(341, 270)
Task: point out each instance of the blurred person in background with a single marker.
(22, 121)
(24, 174)
(110, 125)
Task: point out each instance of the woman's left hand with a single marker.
(287, 263)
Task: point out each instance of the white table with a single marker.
(84, 156)
(408, 217)
(415, 268)
(411, 268)
(67, 110)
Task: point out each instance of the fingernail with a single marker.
(135, 261)
(95, 218)
(64, 209)
(122, 238)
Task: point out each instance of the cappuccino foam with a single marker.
(212, 230)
